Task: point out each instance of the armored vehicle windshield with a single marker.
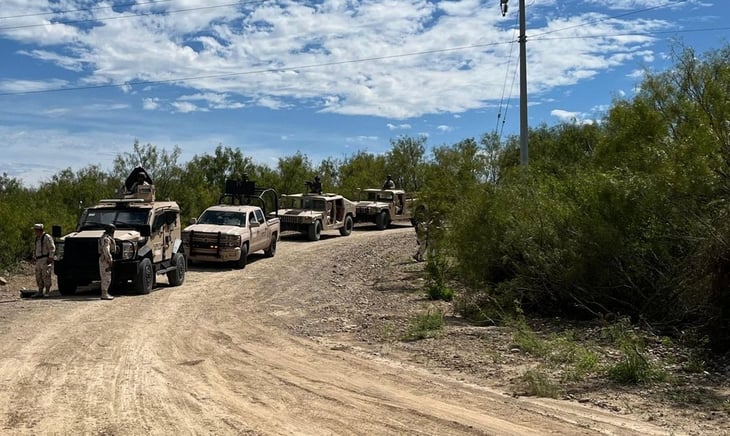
(121, 218)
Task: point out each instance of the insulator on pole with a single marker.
(503, 5)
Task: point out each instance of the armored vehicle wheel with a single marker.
(346, 229)
(241, 262)
(145, 279)
(315, 231)
(66, 286)
(271, 251)
(176, 277)
(382, 220)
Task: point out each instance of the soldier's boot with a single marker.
(105, 295)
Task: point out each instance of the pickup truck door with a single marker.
(258, 232)
(264, 230)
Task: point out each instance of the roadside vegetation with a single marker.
(625, 218)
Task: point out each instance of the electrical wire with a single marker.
(506, 75)
(94, 8)
(125, 16)
(590, 23)
(614, 35)
(251, 72)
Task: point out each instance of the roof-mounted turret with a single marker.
(244, 192)
(138, 185)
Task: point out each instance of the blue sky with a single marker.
(80, 80)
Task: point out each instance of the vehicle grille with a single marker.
(293, 219)
(208, 240)
(81, 252)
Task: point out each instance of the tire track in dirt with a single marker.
(215, 356)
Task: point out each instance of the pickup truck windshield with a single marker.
(222, 218)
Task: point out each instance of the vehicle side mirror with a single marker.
(256, 224)
(56, 231)
(144, 231)
(193, 220)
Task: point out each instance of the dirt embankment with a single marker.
(305, 343)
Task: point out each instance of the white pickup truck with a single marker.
(236, 227)
(229, 233)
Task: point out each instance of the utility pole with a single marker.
(524, 154)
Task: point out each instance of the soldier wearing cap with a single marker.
(389, 183)
(43, 251)
(107, 247)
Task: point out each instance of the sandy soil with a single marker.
(306, 342)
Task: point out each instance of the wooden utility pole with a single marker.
(524, 154)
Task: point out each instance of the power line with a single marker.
(94, 8)
(261, 71)
(134, 15)
(611, 35)
(349, 61)
(590, 23)
(506, 73)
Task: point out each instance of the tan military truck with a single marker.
(236, 227)
(385, 206)
(313, 213)
(147, 238)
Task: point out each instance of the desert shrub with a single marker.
(538, 383)
(426, 324)
(437, 287)
(634, 365)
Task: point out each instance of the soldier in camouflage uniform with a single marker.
(421, 240)
(43, 251)
(107, 247)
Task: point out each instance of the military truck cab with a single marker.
(312, 213)
(147, 238)
(384, 206)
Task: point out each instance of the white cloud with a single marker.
(444, 128)
(398, 126)
(571, 117)
(150, 103)
(186, 107)
(271, 54)
(19, 86)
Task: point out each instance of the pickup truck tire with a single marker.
(145, 279)
(66, 286)
(315, 231)
(347, 226)
(271, 251)
(241, 262)
(176, 277)
(382, 220)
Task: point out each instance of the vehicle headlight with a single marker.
(127, 250)
(59, 250)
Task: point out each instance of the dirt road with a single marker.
(221, 355)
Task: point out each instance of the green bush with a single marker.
(425, 325)
(539, 384)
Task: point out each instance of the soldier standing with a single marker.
(107, 247)
(43, 252)
(389, 183)
(421, 240)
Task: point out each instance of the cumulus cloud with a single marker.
(150, 103)
(571, 117)
(366, 58)
(186, 107)
(398, 126)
